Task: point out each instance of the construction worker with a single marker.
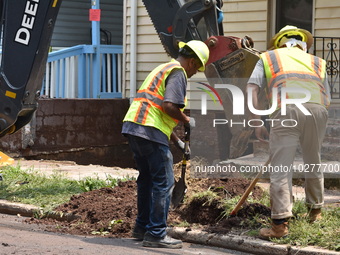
(288, 70)
(149, 124)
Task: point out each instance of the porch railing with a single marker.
(84, 71)
(328, 48)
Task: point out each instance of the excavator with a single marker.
(27, 27)
(231, 61)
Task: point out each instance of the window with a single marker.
(294, 12)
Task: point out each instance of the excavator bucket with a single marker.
(232, 61)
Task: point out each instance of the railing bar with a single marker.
(57, 78)
(47, 80)
(62, 78)
(81, 76)
(89, 76)
(52, 79)
(103, 74)
(67, 78)
(114, 72)
(72, 77)
(109, 73)
(119, 76)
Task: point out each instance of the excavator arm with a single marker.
(231, 61)
(27, 27)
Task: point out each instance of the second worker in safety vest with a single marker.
(148, 124)
(290, 71)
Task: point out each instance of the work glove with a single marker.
(181, 145)
(191, 124)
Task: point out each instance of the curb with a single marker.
(17, 208)
(232, 242)
(30, 210)
(243, 243)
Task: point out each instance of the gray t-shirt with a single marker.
(175, 92)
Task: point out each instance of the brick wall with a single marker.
(86, 131)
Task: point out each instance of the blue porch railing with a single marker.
(84, 71)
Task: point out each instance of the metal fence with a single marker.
(328, 48)
(84, 71)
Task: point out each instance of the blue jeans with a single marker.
(155, 184)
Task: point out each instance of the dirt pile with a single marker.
(111, 212)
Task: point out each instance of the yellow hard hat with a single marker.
(200, 49)
(289, 31)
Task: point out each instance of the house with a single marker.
(259, 19)
(106, 64)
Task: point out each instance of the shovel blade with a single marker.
(178, 192)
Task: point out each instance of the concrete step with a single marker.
(249, 166)
(334, 112)
(333, 130)
(330, 151)
(331, 140)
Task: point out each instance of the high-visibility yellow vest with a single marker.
(292, 67)
(146, 108)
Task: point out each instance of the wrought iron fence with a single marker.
(328, 48)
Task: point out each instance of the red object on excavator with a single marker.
(221, 46)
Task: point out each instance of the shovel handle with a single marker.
(248, 190)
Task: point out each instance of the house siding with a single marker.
(241, 17)
(73, 26)
(327, 16)
(150, 51)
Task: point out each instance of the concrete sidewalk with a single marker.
(74, 171)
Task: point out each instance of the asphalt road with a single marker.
(21, 238)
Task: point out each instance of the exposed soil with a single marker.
(111, 212)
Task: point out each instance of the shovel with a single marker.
(180, 186)
(248, 190)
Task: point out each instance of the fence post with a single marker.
(95, 19)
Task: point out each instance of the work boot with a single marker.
(138, 233)
(313, 215)
(161, 242)
(276, 231)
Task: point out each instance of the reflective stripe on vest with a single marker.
(149, 96)
(146, 108)
(286, 66)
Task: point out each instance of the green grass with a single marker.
(324, 234)
(46, 191)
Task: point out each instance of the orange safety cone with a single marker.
(5, 160)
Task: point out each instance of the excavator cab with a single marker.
(26, 29)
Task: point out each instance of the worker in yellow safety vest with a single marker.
(148, 125)
(296, 83)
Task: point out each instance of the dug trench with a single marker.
(111, 212)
